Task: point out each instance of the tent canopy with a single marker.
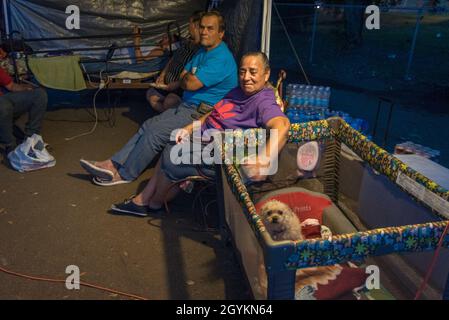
(40, 19)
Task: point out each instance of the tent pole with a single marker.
(6, 17)
(268, 35)
(266, 27)
(262, 39)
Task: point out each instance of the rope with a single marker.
(291, 43)
(432, 264)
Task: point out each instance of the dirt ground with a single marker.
(56, 217)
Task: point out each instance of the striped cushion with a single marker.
(179, 60)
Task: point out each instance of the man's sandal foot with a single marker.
(108, 182)
(96, 171)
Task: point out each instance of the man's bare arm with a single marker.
(190, 82)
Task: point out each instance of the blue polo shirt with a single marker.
(217, 71)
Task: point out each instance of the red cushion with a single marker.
(331, 282)
(311, 232)
(349, 279)
(305, 205)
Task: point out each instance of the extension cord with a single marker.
(100, 87)
(82, 283)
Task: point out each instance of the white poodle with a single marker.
(281, 222)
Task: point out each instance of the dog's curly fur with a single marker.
(281, 222)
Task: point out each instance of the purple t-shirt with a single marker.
(236, 110)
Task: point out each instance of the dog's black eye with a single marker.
(280, 213)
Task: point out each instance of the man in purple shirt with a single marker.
(251, 105)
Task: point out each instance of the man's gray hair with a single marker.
(262, 56)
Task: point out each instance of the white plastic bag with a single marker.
(31, 155)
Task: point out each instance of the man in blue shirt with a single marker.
(210, 74)
(204, 70)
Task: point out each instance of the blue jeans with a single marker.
(13, 104)
(150, 140)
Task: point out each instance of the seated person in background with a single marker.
(251, 105)
(164, 95)
(7, 64)
(207, 78)
(160, 50)
(19, 99)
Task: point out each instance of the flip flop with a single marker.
(90, 167)
(108, 183)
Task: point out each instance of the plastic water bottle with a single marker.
(324, 106)
(296, 116)
(327, 95)
(292, 101)
(298, 94)
(295, 89)
(305, 95)
(300, 91)
(313, 100)
(290, 114)
(319, 97)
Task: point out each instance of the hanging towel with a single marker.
(61, 72)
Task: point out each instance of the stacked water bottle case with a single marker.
(309, 103)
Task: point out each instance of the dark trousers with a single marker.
(14, 104)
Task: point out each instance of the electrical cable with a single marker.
(82, 283)
(102, 85)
